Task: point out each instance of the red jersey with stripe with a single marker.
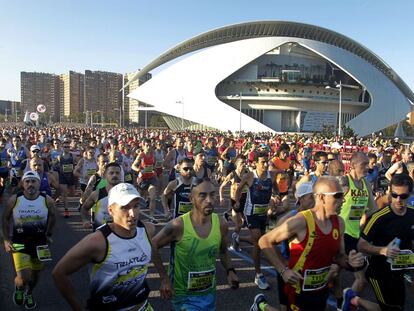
(147, 165)
(320, 256)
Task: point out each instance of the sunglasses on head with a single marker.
(402, 196)
(336, 195)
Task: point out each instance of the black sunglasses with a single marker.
(336, 195)
(186, 169)
(402, 196)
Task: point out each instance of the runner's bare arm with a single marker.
(7, 214)
(171, 232)
(78, 168)
(293, 227)
(168, 191)
(391, 171)
(224, 184)
(89, 188)
(135, 164)
(285, 231)
(225, 260)
(51, 217)
(87, 205)
(90, 249)
(53, 182)
(247, 179)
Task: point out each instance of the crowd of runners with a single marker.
(310, 206)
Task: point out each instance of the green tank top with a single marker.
(193, 264)
(354, 207)
(102, 184)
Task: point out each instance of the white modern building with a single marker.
(274, 76)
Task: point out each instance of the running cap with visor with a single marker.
(122, 194)
(303, 189)
(35, 148)
(31, 174)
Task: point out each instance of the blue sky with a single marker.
(122, 36)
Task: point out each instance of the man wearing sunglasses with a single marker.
(388, 231)
(199, 236)
(321, 165)
(311, 232)
(178, 190)
(358, 202)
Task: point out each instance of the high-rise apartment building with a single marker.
(103, 98)
(132, 114)
(72, 95)
(11, 110)
(40, 88)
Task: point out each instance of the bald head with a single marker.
(336, 168)
(326, 184)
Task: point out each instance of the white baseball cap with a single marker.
(34, 147)
(31, 174)
(304, 188)
(122, 194)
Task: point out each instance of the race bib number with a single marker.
(211, 160)
(90, 172)
(356, 212)
(200, 281)
(3, 163)
(43, 253)
(67, 168)
(315, 279)
(158, 164)
(260, 209)
(404, 260)
(18, 246)
(128, 177)
(16, 172)
(184, 207)
(148, 169)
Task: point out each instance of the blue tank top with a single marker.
(258, 196)
(44, 185)
(4, 157)
(21, 155)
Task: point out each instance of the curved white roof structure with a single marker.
(188, 88)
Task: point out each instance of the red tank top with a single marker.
(147, 166)
(316, 265)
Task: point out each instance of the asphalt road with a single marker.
(69, 231)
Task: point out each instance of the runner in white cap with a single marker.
(121, 273)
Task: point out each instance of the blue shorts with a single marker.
(195, 303)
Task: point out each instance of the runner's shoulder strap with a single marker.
(310, 222)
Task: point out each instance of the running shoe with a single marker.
(348, 295)
(18, 296)
(29, 302)
(258, 300)
(260, 281)
(66, 213)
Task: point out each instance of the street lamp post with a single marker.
(5, 117)
(240, 114)
(338, 88)
(180, 102)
